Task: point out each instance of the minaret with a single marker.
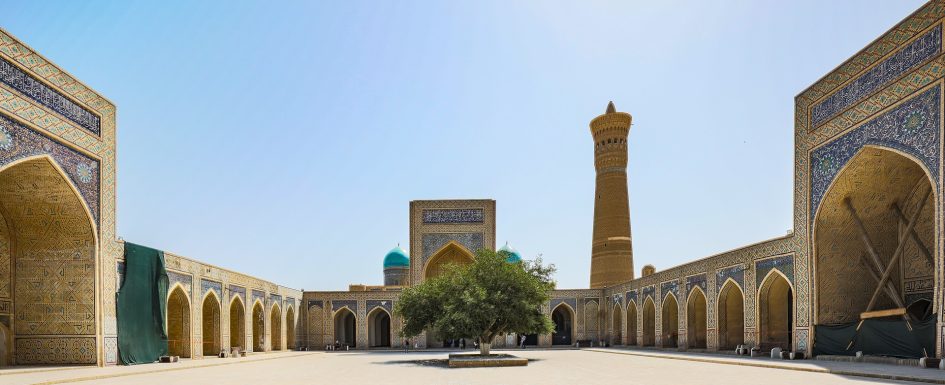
(612, 249)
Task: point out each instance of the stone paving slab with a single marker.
(67, 374)
(868, 370)
(564, 367)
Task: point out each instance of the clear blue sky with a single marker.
(285, 139)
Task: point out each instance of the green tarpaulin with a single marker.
(142, 337)
(877, 337)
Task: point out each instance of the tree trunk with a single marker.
(484, 348)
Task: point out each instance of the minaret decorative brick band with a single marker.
(612, 247)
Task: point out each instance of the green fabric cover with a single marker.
(878, 337)
(142, 309)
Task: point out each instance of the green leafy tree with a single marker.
(481, 300)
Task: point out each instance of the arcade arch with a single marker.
(670, 330)
(210, 330)
(696, 319)
(731, 316)
(563, 318)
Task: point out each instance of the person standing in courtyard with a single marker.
(522, 341)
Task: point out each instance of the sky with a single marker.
(285, 140)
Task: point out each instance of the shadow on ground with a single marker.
(433, 363)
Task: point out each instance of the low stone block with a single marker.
(490, 361)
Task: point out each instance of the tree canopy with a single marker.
(480, 300)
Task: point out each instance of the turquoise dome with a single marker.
(513, 255)
(397, 257)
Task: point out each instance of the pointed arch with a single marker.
(451, 253)
(259, 327)
(345, 322)
(696, 319)
(874, 180)
(649, 322)
(776, 311)
(51, 238)
(210, 328)
(290, 322)
(379, 328)
(178, 322)
(616, 325)
(670, 313)
(731, 315)
(275, 327)
(237, 323)
(631, 322)
(563, 317)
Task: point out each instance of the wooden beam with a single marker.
(899, 248)
(915, 236)
(890, 289)
(874, 256)
(883, 313)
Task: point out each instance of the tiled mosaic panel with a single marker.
(383, 303)
(234, 289)
(556, 301)
(736, 273)
(912, 127)
(784, 264)
(632, 296)
(207, 285)
(275, 298)
(431, 242)
(26, 84)
(258, 295)
(907, 58)
(55, 350)
(694, 281)
(340, 303)
(18, 142)
(185, 280)
(669, 287)
(649, 291)
(453, 216)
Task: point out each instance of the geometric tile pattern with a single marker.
(784, 264)
(18, 141)
(669, 287)
(694, 281)
(736, 273)
(556, 301)
(913, 127)
(350, 304)
(434, 241)
(55, 350)
(907, 58)
(385, 304)
(208, 285)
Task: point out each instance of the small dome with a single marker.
(513, 255)
(397, 257)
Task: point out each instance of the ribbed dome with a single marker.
(513, 255)
(397, 257)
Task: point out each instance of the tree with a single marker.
(480, 300)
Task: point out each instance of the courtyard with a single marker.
(546, 366)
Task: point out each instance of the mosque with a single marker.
(863, 264)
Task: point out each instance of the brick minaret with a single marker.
(611, 250)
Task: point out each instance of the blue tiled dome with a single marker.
(513, 255)
(397, 257)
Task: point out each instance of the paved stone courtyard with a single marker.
(592, 366)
